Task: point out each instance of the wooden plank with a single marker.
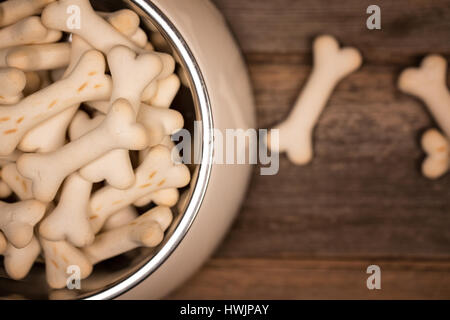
(363, 195)
(409, 27)
(316, 279)
(310, 232)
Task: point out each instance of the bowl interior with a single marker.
(109, 278)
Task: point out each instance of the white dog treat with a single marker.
(128, 82)
(168, 143)
(93, 28)
(159, 123)
(26, 31)
(59, 255)
(150, 91)
(168, 68)
(17, 221)
(126, 70)
(437, 149)
(18, 262)
(5, 190)
(79, 48)
(104, 166)
(429, 83)
(141, 40)
(33, 83)
(120, 218)
(118, 131)
(146, 231)
(69, 221)
(52, 36)
(165, 197)
(165, 92)
(82, 124)
(155, 173)
(168, 65)
(50, 135)
(15, 10)
(115, 167)
(12, 82)
(331, 65)
(39, 56)
(127, 22)
(87, 82)
(3, 55)
(21, 186)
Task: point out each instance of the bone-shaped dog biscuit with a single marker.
(51, 134)
(59, 255)
(118, 131)
(12, 82)
(331, 65)
(165, 197)
(120, 218)
(93, 28)
(82, 124)
(165, 92)
(437, 148)
(87, 82)
(18, 219)
(15, 10)
(115, 167)
(52, 36)
(159, 122)
(146, 231)
(141, 40)
(23, 32)
(429, 83)
(155, 173)
(69, 220)
(127, 22)
(129, 80)
(107, 165)
(18, 262)
(39, 56)
(21, 186)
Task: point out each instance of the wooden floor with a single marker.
(311, 232)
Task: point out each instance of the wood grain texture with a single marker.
(316, 279)
(310, 232)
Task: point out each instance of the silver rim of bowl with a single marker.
(203, 110)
